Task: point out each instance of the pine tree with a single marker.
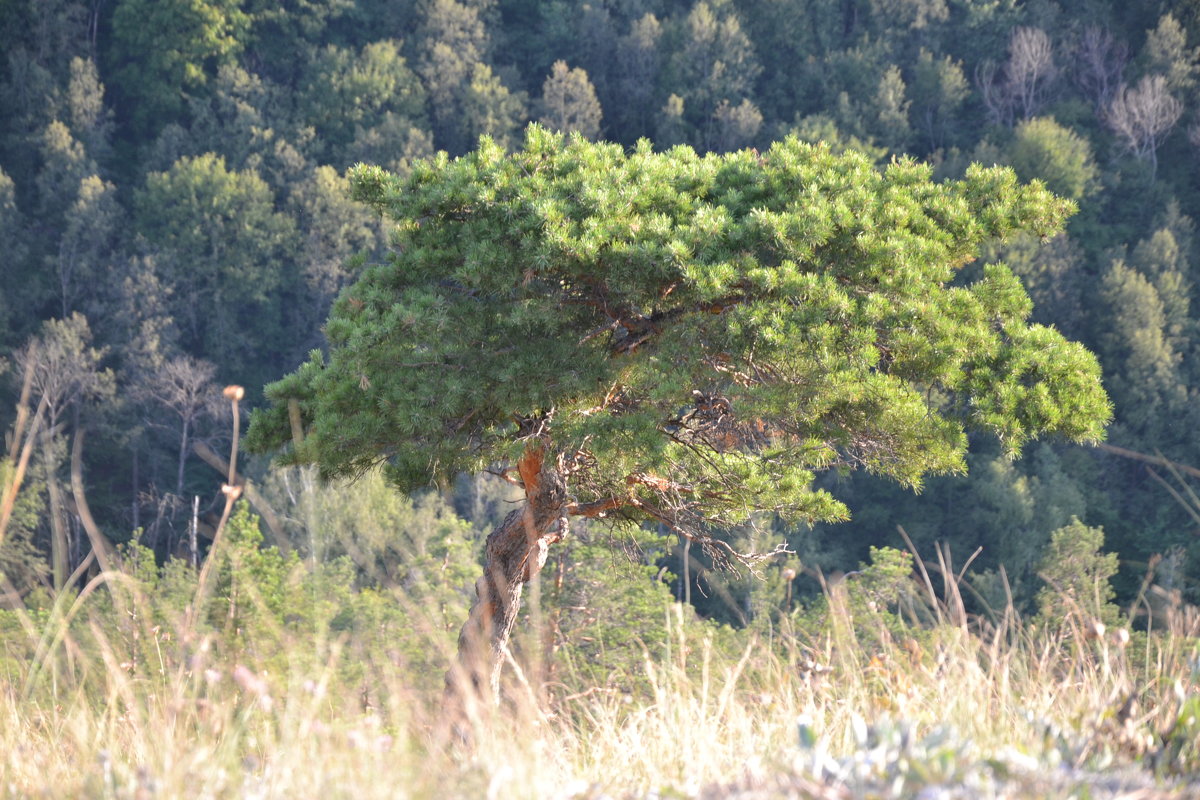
(637, 71)
(891, 110)
(1166, 53)
(163, 51)
(221, 246)
(569, 102)
(736, 126)
(682, 339)
(348, 95)
(466, 97)
(1136, 342)
(1043, 149)
(14, 301)
(714, 62)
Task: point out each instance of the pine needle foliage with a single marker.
(693, 336)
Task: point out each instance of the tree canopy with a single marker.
(691, 337)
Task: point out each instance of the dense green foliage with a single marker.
(174, 174)
(725, 324)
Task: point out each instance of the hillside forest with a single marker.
(176, 217)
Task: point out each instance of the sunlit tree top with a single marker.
(691, 337)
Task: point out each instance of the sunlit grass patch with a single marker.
(833, 702)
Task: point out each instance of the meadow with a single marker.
(283, 678)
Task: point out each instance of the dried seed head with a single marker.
(1095, 630)
(789, 574)
(234, 392)
(248, 681)
(1121, 636)
(232, 492)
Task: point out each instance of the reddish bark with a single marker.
(515, 551)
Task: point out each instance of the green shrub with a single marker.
(1077, 576)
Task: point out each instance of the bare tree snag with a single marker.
(1141, 116)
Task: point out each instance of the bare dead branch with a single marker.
(1030, 71)
(1155, 459)
(723, 555)
(1143, 116)
(1099, 64)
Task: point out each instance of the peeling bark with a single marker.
(59, 556)
(516, 550)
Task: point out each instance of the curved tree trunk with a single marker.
(99, 542)
(59, 551)
(516, 551)
(183, 451)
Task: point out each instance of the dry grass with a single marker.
(1002, 711)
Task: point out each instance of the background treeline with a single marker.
(174, 217)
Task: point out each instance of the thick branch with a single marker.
(596, 508)
(1158, 459)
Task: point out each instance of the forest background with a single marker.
(175, 218)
